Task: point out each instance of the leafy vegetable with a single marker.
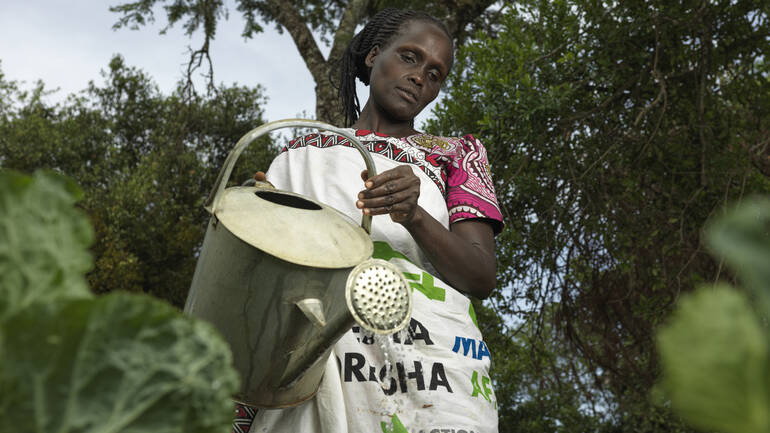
(43, 241)
(715, 351)
(121, 362)
(72, 362)
(715, 362)
(742, 239)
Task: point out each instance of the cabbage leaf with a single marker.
(44, 241)
(74, 362)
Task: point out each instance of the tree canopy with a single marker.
(146, 162)
(615, 130)
(335, 21)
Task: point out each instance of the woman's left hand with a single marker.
(393, 192)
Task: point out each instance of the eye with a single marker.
(408, 57)
(434, 76)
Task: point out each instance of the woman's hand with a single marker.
(464, 255)
(393, 192)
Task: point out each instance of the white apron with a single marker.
(432, 377)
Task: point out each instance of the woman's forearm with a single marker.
(464, 255)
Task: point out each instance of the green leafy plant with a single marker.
(74, 362)
(714, 352)
(43, 241)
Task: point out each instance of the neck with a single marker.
(393, 128)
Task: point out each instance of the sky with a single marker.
(67, 43)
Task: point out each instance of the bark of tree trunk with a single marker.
(328, 107)
(327, 104)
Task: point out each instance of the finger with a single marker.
(260, 176)
(392, 187)
(408, 197)
(365, 175)
(388, 175)
(398, 208)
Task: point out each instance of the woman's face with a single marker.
(407, 75)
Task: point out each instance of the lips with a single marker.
(410, 95)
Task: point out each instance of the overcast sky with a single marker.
(67, 43)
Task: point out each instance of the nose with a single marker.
(417, 78)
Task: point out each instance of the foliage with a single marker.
(535, 389)
(146, 162)
(52, 248)
(73, 362)
(714, 352)
(614, 131)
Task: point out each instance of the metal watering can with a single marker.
(282, 277)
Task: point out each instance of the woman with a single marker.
(435, 217)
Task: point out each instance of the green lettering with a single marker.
(485, 385)
(476, 388)
(428, 289)
(472, 313)
(414, 277)
(397, 426)
(383, 251)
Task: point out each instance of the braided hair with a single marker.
(378, 32)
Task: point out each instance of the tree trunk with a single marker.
(328, 107)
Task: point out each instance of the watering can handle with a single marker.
(213, 201)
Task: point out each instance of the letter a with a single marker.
(476, 388)
(483, 351)
(438, 377)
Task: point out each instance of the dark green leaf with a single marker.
(122, 363)
(715, 362)
(44, 241)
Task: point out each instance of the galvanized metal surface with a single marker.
(254, 300)
(379, 297)
(276, 278)
(212, 203)
(250, 297)
(293, 228)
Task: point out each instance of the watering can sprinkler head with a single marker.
(379, 297)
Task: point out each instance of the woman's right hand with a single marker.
(394, 192)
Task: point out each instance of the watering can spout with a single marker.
(313, 308)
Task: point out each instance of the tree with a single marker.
(335, 20)
(614, 131)
(146, 162)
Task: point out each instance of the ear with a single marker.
(369, 61)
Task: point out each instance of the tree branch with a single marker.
(353, 14)
(291, 20)
(461, 13)
(196, 59)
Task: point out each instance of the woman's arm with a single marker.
(464, 255)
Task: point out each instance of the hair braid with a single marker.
(379, 31)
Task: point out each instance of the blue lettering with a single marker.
(468, 345)
(483, 351)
